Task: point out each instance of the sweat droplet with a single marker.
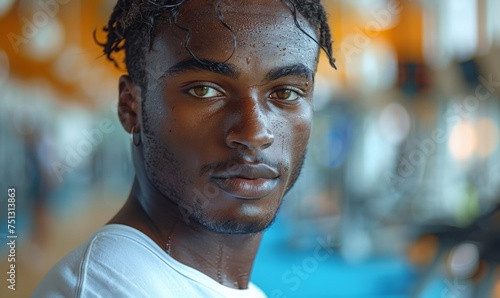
(248, 60)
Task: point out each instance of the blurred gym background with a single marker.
(400, 192)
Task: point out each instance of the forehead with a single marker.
(254, 33)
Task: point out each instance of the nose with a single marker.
(250, 128)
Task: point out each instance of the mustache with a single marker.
(226, 166)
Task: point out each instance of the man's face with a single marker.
(225, 142)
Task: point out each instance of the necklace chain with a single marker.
(168, 249)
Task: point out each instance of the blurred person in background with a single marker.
(218, 102)
(39, 186)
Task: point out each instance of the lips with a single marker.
(247, 181)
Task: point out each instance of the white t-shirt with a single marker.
(120, 261)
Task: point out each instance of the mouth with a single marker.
(247, 181)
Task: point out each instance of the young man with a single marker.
(218, 101)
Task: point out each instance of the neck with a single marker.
(226, 258)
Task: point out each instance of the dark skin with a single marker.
(221, 145)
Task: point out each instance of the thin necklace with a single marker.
(154, 229)
(219, 264)
(168, 249)
(168, 246)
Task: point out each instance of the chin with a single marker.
(242, 224)
(237, 227)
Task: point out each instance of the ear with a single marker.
(129, 103)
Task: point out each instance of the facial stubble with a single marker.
(159, 159)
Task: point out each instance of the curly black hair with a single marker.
(130, 27)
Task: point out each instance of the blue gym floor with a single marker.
(281, 271)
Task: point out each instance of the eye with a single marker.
(204, 92)
(285, 94)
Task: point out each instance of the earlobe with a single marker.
(129, 103)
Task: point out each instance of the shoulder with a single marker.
(115, 258)
(120, 261)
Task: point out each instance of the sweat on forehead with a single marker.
(208, 27)
(133, 24)
(270, 8)
(242, 15)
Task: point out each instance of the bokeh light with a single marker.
(462, 140)
(4, 67)
(47, 42)
(5, 6)
(487, 135)
(464, 260)
(394, 123)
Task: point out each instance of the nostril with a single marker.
(250, 138)
(269, 142)
(249, 128)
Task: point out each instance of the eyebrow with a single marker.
(195, 65)
(231, 71)
(291, 70)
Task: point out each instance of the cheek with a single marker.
(192, 126)
(300, 137)
(293, 133)
(190, 135)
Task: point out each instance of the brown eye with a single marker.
(201, 91)
(286, 94)
(283, 94)
(204, 92)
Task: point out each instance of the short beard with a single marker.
(233, 227)
(296, 172)
(195, 212)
